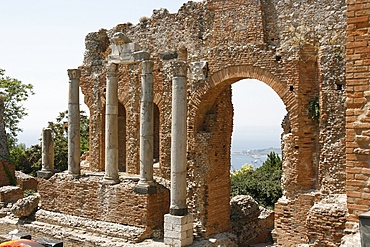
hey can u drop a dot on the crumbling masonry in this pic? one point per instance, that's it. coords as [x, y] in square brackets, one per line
[301, 49]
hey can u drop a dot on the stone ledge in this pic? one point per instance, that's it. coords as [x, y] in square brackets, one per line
[71, 236]
[129, 233]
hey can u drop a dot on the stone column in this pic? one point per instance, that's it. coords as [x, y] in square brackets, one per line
[74, 152]
[111, 126]
[178, 141]
[178, 224]
[146, 183]
[47, 157]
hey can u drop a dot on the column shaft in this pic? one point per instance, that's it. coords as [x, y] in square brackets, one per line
[47, 150]
[111, 126]
[74, 152]
[178, 141]
[146, 124]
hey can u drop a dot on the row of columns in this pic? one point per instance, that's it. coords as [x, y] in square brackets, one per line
[146, 184]
[178, 140]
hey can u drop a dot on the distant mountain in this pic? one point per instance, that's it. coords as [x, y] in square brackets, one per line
[257, 152]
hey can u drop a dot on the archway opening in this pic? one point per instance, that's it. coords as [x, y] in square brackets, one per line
[258, 113]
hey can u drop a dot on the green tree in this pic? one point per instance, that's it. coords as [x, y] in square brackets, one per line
[59, 130]
[29, 159]
[263, 184]
[15, 94]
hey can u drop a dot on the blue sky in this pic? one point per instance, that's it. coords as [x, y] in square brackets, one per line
[41, 39]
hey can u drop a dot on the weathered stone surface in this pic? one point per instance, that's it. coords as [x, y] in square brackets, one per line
[251, 223]
[352, 237]
[110, 203]
[244, 209]
[326, 221]
[25, 181]
[222, 239]
[10, 194]
[74, 151]
[25, 206]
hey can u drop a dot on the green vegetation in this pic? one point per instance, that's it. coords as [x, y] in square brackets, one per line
[12, 179]
[29, 159]
[59, 130]
[314, 109]
[263, 184]
[15, 93]
[29, 193]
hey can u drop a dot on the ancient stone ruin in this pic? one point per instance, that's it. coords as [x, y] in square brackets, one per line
[161, 119]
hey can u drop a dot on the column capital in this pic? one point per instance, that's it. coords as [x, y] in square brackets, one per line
[147, 66]
[111, 69]
[74, 73]
[179, 68]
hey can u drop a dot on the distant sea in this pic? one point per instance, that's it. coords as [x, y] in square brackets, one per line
[238, 160]
[254, 157]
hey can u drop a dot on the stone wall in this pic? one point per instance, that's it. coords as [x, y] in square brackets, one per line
[89, 198]
[295, 47]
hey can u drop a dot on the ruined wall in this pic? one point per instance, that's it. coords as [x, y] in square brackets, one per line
[87, 197]
[295, 47]
[357, 113]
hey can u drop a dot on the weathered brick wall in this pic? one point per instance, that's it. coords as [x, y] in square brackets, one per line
[88, 197]
[290, 219]
[326, 221]
[357, 113]
[295, 47]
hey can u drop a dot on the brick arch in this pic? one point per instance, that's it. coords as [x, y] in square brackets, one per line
[229, 75]
[212, 118]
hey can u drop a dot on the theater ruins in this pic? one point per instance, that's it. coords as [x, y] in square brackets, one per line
[161, 120]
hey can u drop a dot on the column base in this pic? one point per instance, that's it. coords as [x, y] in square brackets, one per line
[74, 175]
[179, 211]
[178, 230]
[46, 174]
[145, 188]
[110, 181]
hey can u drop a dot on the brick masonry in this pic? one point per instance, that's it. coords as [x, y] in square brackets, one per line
[298, 48]
[87, 197]
[357, 112]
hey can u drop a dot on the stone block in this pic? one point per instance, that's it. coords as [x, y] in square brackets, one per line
[45, 174]
[178, 230]
[10, 194]
[25, 181]
[141, 55]
[178, 220]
